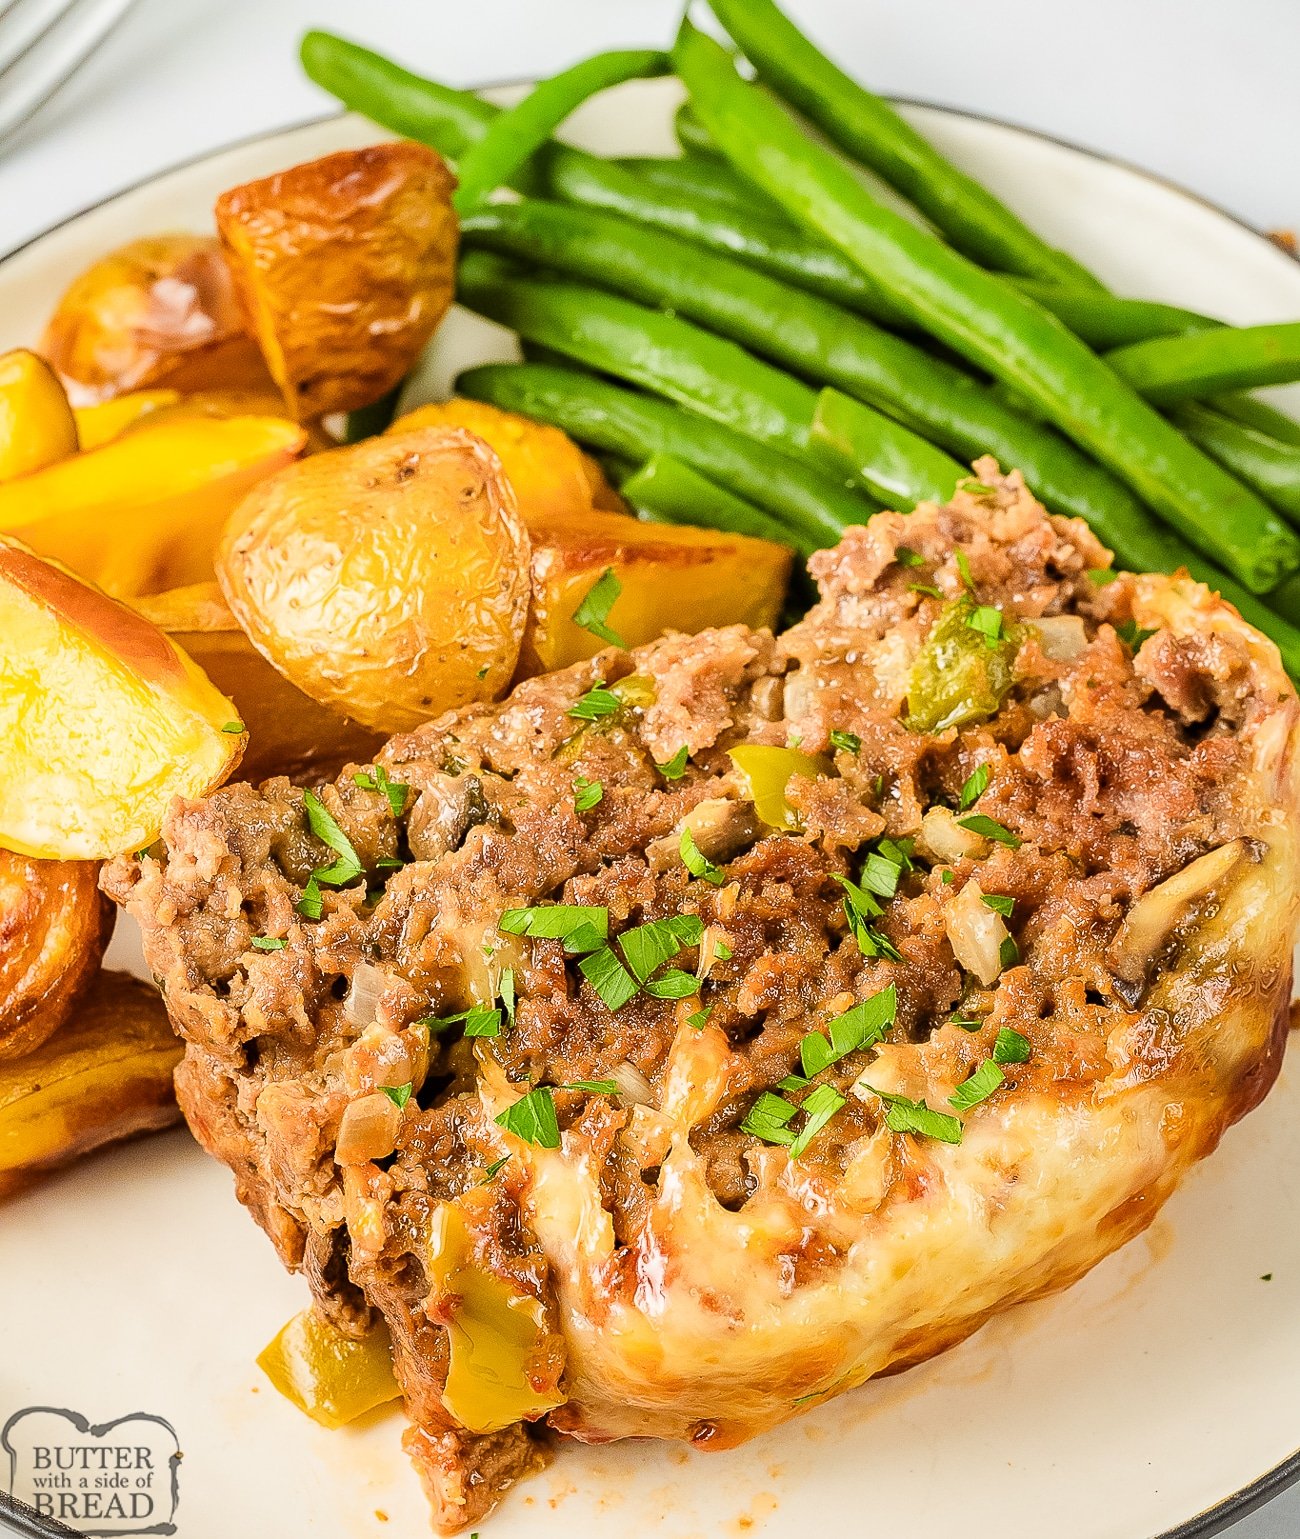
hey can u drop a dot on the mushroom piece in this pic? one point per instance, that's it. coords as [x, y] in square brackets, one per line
[1165, 913]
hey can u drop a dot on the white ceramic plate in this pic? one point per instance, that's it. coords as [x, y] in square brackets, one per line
[1159, 1397]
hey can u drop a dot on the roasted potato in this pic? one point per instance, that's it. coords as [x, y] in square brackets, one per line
[672, 577]
[102, 719]
[143, 512]
[160, 311]
[54, 925]
[36, 423]
[199, 405]
[345, 265]
[388, 580]
[105, 1076]
[288, 732]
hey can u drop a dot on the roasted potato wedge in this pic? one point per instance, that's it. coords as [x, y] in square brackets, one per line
[143, 512]
[106, 1076]
[673, 578]
[345, 265]
[105, 420]
[54, 925]
[36, 423]
[160, 311]
[102, 719]
[388, 580]
[200, 405]
[288, 732]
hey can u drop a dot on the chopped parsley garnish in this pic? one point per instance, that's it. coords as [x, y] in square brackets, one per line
[819, 1108]
[963, 566]
[768, 1119]
[862, 1026]
[947, 878]
[507, 992]
[580, 926]
[722, 951]
[648, 946]
[587, 794]
[999, 903]
[697, 862]
[483, 1021]
[1132, 634]
[482, 672]
[592, 1086]
[322, 823]
[966, 1022]
[928, 588]
[267, 943]
[846, 742]
[494, 1169]
[976, 488]
[610, 979]
[988, 622]
[990, 828]
[1010, 1047]
[377, 780]
[596, 704]
[1102, 576]
[906, 556]
[1008, 952]
[235, 728]
[881, 875]
[676, 766]
[904, 1116]
[860, 908]
[593, 613]
[533, 1119]
[976, 785]
[700, 1018]
[309, 905]
[979, 1087]
[673, 984]
[399, 1095]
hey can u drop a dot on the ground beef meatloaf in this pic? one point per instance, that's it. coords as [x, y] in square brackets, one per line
[773, 1010]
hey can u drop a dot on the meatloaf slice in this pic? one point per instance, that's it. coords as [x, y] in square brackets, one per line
[773, 1010]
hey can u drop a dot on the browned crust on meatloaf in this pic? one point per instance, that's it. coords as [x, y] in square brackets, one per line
[1113, 769]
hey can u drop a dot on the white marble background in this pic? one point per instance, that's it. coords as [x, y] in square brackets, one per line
[1202, 91]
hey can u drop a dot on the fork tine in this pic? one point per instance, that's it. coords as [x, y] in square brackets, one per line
[65, 44]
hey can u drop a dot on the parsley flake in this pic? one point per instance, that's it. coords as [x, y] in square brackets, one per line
[399, 1095]
[976, 785]
[768, 1119]
[610, 979]
[906, 556]
[999, 903]
[979, 1087]
[507, 992]
[860, 1027]
[1011, 1047]
[587, 794]
[647, 947]
[581, 927]
[235, 728]
[1008, 952]
[267, 943]
[846, 742]
[904, 1116]
[1132, 634]
[533, 1119]
[819, 1108]
[928, 588]
[597, 703]
[700, 1019]
[676, 766]
[309, 905]
[377, 780]
[989, 828]
[1102, 576]
[592, 1086]
[967, 1023]
[722, 951]
[323, 824]
[988, 622]
[697, 862]
[976, 488]
[483, 1021]
[963, 566]
[673, 984]
[593, 613]
[494, 1169]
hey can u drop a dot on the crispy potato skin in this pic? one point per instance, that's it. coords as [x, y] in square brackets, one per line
[288, 732]
[54, 925]
[345, 266]
[37, 426]
[388, 580]
[159, 311]
[105, 1076]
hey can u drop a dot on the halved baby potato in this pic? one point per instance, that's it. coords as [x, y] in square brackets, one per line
[37, 426]
[102, 719]
[387, 580]
[159, 311]
[345, 265]
[104, 1076]
[144, 512]
[288, 732]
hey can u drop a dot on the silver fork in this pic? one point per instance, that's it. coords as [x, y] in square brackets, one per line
[43, 43]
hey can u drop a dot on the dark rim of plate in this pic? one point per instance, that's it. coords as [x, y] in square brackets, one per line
[1214, 1520]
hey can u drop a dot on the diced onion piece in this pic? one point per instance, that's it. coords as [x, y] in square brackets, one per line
[367, 1129]
[943, 838]
[1061, 637]
[975, 933]
[362, 1004]
[632, 1084]
[768, 771]
[1153, 919]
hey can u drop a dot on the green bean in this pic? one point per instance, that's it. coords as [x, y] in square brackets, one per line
[1250, 411]
[869, 129]
[1169, 369]
[710, 181]
[848, 437]
[988, 322]
[1105, 321]
[812, 508]
[513, 138]
[692, 134]
[668, 491]
[1272, 468]
[814, 339]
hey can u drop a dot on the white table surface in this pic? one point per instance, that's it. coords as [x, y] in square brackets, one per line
[1202, 91]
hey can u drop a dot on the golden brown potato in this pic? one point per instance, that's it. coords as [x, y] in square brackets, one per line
[288, 732]
[36, 423]
[160, 311]
[388, 580]
[102, 719]
[345, 266]
[106, 1076]
[54, 925]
